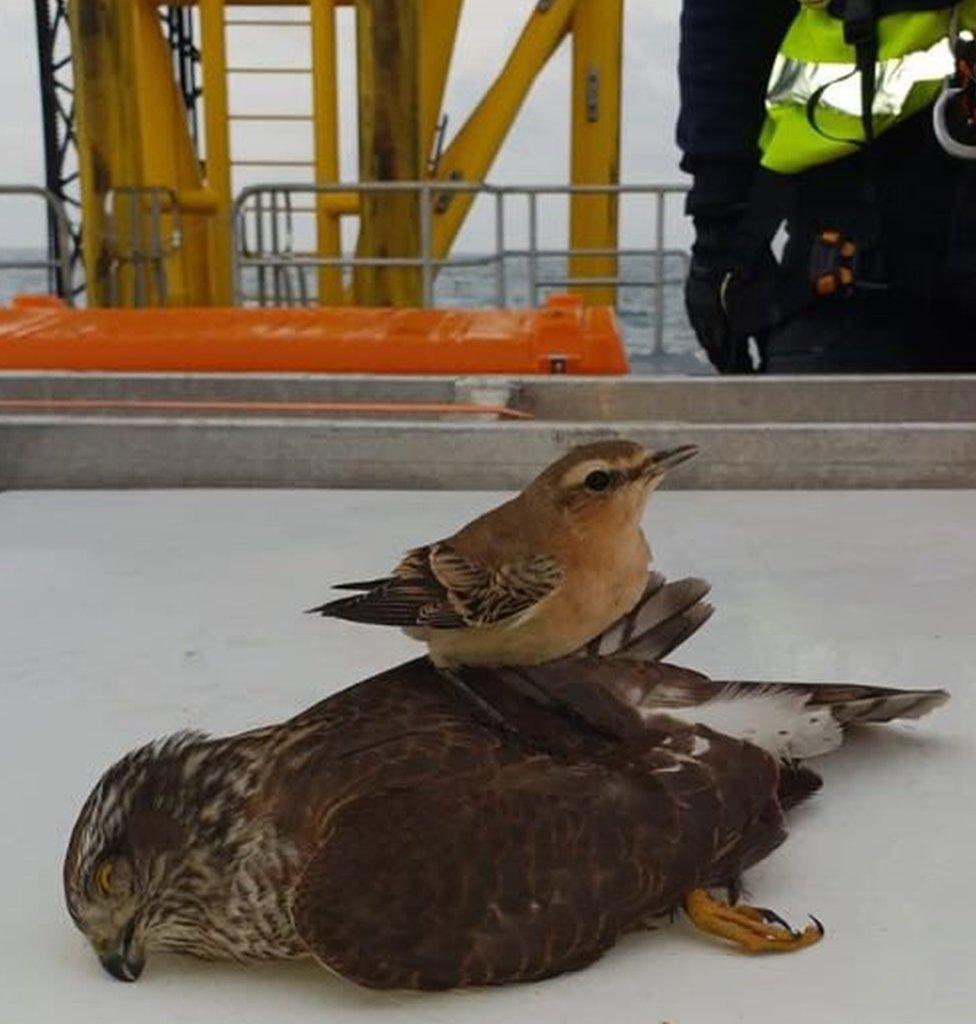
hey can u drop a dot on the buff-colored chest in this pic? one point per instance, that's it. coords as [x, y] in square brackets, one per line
[598, 587]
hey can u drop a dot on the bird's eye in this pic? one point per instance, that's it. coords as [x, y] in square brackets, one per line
[597, 481]
[103, 877]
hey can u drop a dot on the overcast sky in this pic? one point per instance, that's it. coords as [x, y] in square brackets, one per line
[537, 150]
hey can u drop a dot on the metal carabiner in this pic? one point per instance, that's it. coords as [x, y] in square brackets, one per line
[948, 141]
[957, 134]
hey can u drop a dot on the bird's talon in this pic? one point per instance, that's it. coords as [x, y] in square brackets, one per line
[771, 917]
[755, 929]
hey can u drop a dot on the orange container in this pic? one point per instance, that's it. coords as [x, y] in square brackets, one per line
[40, 333]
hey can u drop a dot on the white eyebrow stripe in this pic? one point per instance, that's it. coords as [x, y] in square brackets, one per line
[574, 476]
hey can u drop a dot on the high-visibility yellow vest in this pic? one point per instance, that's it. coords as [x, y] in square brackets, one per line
[813, 100]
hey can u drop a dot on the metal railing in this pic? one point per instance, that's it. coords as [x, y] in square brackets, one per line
[143, 229]
[58, 268]
[263, 220]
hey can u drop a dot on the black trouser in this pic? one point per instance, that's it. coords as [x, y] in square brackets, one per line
[911, 211]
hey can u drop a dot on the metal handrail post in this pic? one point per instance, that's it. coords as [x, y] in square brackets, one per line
[275, 245]
[157, 250]
[286, 275]
[135, 243]
[259, 243]
[426, 229]
[236, 244]
[65, 283]
[658, 346]
[533, 242]
[501, 282]
[299, 269]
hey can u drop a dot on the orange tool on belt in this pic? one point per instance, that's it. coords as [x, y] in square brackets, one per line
[832, 264]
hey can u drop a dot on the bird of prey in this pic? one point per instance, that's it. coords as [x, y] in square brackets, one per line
[535, 578]
[403, 841]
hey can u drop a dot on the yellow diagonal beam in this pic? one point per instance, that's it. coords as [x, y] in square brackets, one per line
[472, 151]
[438, 30]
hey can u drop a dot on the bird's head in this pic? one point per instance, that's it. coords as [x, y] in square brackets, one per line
[138, 867]
[608, 478]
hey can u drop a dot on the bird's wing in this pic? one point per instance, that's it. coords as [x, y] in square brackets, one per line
[665, 616]
[486, 596]
[618, 679]
[619, 696]
[438, 588]
[533, 868]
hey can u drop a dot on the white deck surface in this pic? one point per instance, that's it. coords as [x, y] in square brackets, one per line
[129, 615]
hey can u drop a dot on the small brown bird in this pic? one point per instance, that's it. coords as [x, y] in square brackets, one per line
[535, 578]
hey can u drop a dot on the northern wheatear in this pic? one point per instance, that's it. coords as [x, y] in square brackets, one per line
[535, 578]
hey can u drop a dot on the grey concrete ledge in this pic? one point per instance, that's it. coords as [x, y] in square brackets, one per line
[756, 432]
[98, 451]
[818, 399]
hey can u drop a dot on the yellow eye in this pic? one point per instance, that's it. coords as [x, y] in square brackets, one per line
[103, 877]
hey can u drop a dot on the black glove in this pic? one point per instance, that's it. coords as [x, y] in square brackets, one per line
[731, 291]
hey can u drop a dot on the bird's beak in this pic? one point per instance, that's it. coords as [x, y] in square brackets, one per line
[663, 461]
[122, 959]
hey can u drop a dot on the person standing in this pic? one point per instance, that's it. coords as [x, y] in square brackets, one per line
[820, 115]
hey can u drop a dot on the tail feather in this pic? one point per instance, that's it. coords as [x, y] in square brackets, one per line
[855, 703]
[363, 584]
[796, 783]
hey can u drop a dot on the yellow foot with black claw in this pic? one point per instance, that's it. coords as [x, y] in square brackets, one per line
[754, 929]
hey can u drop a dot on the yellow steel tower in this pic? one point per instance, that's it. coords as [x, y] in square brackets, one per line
[148, 199]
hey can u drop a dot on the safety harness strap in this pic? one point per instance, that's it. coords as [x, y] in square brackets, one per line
[861, 32]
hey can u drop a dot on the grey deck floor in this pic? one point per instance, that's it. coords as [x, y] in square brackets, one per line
[129, 615]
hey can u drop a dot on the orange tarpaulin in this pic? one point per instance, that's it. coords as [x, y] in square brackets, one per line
[38, 333]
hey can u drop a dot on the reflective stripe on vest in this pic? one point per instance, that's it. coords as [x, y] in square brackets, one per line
[914, 58]
[795, 81]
